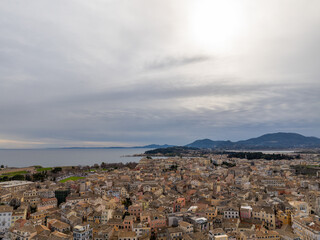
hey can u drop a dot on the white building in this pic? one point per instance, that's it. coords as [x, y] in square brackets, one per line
[5, 218]
[82, 232]
[231, 213]
[14, 186]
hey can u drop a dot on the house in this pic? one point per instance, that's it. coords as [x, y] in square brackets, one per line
[82, 232]
[245, 212]
[266, 215]
[125, 235]
[47, 203]
[217, 234]
[5, 217]
[231, 213]
[174, 233]
[186, 227]
[56, 225]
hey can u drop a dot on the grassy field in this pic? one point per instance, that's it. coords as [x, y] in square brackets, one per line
[71, 179]
[11, 174]
[99, 169]
[44, 169]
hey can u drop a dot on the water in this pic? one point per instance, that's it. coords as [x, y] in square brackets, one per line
[66, 157]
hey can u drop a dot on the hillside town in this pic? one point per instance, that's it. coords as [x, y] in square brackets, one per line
[212, 197]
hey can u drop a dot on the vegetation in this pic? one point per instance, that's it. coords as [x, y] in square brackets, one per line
[71, 179]
[174, 167]
[44, 169]
[23, 175]
[41, 176]
[127, 202]
[11, 174]
[260, 155]
[227, 164]
[56, 170]
[171, 151]
[109, 166]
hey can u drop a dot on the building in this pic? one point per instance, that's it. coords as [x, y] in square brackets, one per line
[264, 234]
[5, 218]
[14, 186]
[217, 234]
[306, 228]
[82, 232]
[56, 225]
[231, 213]
[24, 232]
[174, 233]
[47, 203]
[245, 212]
[266, 215]
[135, 210]
[20, 213]
[186, 227]
[124, 235]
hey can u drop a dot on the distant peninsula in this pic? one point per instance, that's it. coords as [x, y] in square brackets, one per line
[272, 141]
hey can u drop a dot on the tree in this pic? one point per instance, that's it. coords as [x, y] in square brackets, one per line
[39, 177]
[96, 166]
[33, 209]
[127, 202]
[15, 203]
[18, 177]
[56, 170]
[174, 167]
[28, 177]
[103, 165]
[125, 214]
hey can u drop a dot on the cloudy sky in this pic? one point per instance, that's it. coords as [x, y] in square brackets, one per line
[134, 72]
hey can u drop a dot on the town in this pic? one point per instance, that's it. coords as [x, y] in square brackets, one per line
[215, 197]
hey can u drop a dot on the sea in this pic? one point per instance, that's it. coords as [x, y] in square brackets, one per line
[67, 157]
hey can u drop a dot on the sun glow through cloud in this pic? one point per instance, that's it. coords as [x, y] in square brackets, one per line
[216, 25]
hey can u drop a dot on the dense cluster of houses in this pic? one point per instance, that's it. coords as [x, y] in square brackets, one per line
[169, 198]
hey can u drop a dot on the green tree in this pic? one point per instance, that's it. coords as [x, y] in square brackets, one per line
[18, 177]
[127, 202]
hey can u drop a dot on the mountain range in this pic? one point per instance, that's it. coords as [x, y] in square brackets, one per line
[278, 140]
[272, 141]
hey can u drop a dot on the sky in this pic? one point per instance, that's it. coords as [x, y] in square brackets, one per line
[136, 72]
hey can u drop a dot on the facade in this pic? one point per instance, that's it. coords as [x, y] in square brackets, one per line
[82, 232]
[245, 212]
[47, 203]
[266, 215]
[231, 213]
[306, 228]
[14, 186]
[186, 227]
[23, 233]
[125, 235]
[135, 210]
[5, 217]
[20, 213]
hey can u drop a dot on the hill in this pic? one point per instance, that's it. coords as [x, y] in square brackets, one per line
[279, 140]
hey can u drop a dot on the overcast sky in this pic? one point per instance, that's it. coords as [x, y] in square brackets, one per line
[134, 72]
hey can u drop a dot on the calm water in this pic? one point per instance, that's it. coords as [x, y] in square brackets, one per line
[66, 157]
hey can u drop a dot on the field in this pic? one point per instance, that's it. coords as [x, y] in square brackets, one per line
[71, 179]
[44, 169]
[11, 174]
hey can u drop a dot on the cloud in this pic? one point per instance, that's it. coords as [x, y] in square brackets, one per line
[170, 62]
[110, 72]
